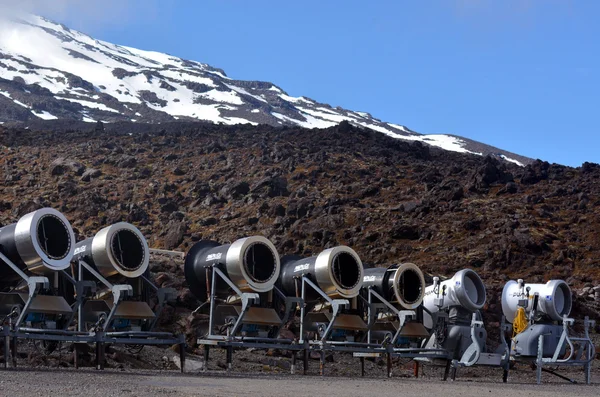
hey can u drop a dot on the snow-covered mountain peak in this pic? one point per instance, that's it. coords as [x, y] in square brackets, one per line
[48, 71]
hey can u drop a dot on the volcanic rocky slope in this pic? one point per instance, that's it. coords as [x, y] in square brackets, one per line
[306, 190]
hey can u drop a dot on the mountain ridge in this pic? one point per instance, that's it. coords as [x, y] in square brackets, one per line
[48, 72]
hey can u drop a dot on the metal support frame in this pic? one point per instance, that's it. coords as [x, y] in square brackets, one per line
[320, 346]
[475, 355]
[231, 340]
[403, 315]
[83, 289]
[14, 331]
[119, 291]
[163, 295]
[247, 299]
[34, 285]
[582, 356]
[336, 305]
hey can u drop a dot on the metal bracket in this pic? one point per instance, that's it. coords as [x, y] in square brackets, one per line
[290, 302]
[575, 357]
[336, 304]
[247, 300]
[119, 292]
[34, 285]
[403, 315]
[164, 295]
[83, 289]
[473, 352]
[84, 265]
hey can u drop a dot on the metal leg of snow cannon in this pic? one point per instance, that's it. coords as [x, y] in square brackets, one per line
[305, 357]
[119, 292]
[34, 285]
[182, 354]
[290, 303]
[474, 354]
[229, 359]
[590, 350]
[246, 298]
[206, 356]
[575, 356]
[454, 369]
[403, 315]
[6, 347]
[446, 369]
[99, 356]
[336, 305]
[83, 290]
[539, 361]
[163, 295]
[14, 352]
[504, 349]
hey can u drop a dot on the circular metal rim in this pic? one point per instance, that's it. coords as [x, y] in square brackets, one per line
[237, 271]
[324, 272]
[506, 308]
[401, 269]
[102, 252]
[28, 245]
[555, 285]
[462, 295]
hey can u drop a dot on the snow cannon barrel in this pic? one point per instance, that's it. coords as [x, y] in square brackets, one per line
[119, 249]
[40, 242]
[465, 289]
[337, 271]
[403, 284]
[554, 298]
[251, 263]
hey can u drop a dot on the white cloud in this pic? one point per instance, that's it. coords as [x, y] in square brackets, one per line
[80, 13]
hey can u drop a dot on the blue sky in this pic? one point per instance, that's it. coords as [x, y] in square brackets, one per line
[522, 75]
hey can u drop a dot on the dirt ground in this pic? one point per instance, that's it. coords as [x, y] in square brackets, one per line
[91, 383]
[267, 373]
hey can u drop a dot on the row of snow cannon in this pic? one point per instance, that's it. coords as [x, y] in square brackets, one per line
[97, 290]
[253, 292]
[254, 265]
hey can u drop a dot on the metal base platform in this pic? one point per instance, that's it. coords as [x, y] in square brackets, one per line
[98, 339]
[358, 350]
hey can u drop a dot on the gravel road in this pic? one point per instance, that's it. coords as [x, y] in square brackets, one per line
[90, 383]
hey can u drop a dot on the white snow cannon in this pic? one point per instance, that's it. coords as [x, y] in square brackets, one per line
[538, 313]
[464, 290]
[554, 299]
[451, 311]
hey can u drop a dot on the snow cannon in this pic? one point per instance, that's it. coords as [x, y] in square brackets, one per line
[41, 242]
[337, 271]
[451, 313]
[403, 284]
[542, 329]
[119, 249]
[251, 263]
[554, 299]
[464, 291]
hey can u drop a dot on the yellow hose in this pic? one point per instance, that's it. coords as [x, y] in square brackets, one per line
[520, 322]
